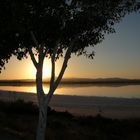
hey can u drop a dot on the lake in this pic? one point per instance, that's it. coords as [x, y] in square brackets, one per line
[101, 90]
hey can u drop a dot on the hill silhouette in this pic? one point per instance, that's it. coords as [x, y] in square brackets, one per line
[76, 81]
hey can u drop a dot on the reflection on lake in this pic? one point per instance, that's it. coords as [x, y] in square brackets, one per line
[125, 91]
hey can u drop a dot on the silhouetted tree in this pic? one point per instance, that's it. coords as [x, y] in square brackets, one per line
[54, 29]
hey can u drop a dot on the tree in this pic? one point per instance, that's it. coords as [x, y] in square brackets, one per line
[54, 29]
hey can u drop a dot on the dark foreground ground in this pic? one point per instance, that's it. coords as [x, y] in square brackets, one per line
[18, 121]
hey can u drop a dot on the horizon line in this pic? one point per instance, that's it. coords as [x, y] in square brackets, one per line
[75, 78]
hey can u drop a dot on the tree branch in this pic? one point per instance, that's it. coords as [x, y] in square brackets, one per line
[53, 68]
[65, 62]
[33, 57]
[41, 55]
[34, 39]
[39, 47]
[44, 53]
[64, 66]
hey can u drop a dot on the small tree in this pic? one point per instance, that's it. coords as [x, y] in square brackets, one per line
[54, 29]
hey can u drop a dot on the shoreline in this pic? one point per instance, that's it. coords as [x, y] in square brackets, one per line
[111, 107]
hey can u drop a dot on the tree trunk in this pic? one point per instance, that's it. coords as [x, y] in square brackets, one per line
[42, 107]
[42, 100]
[41, 130]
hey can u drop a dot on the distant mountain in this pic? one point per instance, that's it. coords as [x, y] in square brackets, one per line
[100, 80]
[76, 81]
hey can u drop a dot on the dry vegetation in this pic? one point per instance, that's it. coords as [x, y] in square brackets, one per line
[18, 121]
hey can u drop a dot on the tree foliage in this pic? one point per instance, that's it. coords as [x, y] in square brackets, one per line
[57, 23]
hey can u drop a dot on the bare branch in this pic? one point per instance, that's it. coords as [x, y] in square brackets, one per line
[65, 62]
[34, 38]
[53, 65]
[33, 57]
[53, 68]
[41, 55]
[40, 48]
[44, 53]
[64, 66]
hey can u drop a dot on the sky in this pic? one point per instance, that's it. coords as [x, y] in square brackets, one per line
[117, 56]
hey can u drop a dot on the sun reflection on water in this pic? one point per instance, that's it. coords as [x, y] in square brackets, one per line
[130, 91]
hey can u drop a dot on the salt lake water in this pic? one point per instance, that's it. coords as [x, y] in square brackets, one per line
[111, 90]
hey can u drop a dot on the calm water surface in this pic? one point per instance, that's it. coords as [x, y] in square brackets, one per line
[123, 91]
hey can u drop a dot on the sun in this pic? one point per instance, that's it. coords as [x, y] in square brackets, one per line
[46, 70]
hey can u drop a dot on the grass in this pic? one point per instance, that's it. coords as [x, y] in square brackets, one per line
[18, 121]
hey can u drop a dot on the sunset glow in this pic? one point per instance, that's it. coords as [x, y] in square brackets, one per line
[117, 56]
[46, 70]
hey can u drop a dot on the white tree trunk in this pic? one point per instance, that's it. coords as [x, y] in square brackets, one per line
[43, 100]
[41, 130]
[42, 106]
